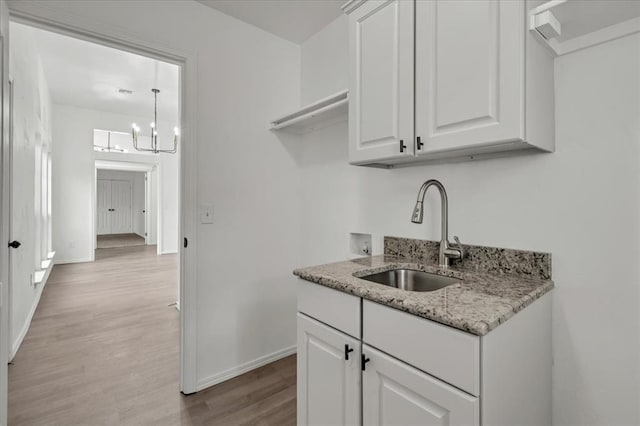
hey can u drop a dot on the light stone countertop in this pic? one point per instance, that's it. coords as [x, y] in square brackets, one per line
[478, 304]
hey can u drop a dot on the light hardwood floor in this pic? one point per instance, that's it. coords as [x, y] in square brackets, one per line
[119, 240]
[103, 350]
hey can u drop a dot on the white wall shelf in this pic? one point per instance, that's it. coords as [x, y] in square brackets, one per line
[325, 112]
[570, 25]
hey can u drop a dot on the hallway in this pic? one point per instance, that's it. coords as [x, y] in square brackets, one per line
[103, 349]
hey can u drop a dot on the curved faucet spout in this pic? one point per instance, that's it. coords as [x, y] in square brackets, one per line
[447, 250]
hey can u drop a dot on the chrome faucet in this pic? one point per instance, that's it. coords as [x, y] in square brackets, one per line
[447, 250]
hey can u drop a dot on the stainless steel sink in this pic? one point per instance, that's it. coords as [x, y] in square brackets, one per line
[411, 280]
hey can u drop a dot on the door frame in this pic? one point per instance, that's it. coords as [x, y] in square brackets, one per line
[125, 166]
[10, 218]
[4, 208]
[49, 18]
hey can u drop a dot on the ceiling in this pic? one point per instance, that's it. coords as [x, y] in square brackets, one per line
[293, 20]
[88, 75]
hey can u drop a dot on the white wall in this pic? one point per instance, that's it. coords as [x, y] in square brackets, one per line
[74, 175]
[136, 180]
[325, 62]
[31, 143]
[580, 203]
[139, 204]
[245, 77]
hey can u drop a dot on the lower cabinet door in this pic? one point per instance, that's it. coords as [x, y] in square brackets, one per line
[328, 375]
[396, 394]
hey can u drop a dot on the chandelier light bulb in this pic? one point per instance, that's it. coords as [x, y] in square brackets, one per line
[153, 125]
[134, 126]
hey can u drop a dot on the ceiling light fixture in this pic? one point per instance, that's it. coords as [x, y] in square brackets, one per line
[154, 132]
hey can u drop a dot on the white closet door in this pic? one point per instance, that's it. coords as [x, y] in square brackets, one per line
[121, 222]
[103, 196]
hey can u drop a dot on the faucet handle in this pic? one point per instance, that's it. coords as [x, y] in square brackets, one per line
[458, 246]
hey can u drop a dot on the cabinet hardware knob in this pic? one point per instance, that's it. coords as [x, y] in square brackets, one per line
[365, 360]
[402, 146]
[419, 143]
[347, 350]
[16, 244]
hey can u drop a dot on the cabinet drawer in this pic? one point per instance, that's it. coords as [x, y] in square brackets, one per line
[332, 307]
[444, 352]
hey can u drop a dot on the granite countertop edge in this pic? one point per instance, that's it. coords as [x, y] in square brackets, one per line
[479, 304]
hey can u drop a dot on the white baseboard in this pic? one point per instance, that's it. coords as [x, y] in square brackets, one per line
[25, 328]
[243, 368]
[80, 260]
[167, 252]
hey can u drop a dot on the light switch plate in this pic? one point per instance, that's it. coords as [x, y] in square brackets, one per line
[206, 213]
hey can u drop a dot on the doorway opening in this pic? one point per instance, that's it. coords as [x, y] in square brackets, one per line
[125, 203]
[121, 209]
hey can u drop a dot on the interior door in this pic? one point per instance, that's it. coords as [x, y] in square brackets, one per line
[4, 208]
[328, 375]
[103, 201]
[394, 393]
[121, 209]
[469, 73]
[381, 81]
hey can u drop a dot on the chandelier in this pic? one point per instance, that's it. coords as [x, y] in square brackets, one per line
[154, 132]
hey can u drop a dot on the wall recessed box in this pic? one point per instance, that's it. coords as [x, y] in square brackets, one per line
[325, 112]
[360, 244]
[432, 80]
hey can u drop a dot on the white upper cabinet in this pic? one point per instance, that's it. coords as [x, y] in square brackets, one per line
[381, 37]
[468, 72]
[483, 83]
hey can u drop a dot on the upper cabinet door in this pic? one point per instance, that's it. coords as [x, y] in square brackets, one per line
[396, 394]
[469, 73]
[328, 375]
[381, 39]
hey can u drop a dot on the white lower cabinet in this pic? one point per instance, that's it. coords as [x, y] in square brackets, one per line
[362, 363]
[395, 393]
[328, 375]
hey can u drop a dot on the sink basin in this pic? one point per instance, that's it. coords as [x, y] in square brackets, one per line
[411, 280]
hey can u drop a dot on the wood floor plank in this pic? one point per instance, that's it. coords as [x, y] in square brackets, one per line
[119, 240]
[103, 349]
